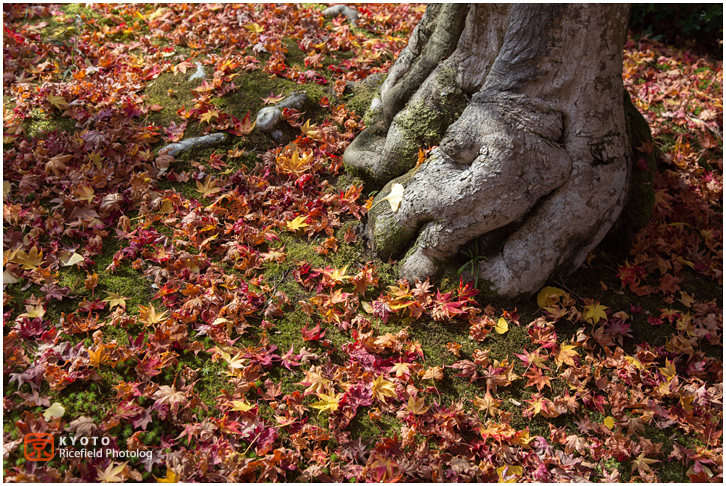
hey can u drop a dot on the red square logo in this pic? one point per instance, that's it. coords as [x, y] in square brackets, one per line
[39, 447]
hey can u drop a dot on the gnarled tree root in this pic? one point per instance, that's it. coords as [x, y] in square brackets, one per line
[204, 141]
[526, 105]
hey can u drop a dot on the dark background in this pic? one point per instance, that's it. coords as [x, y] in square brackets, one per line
[694, 26]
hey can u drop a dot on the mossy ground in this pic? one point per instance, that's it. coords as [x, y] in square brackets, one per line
[597, 278]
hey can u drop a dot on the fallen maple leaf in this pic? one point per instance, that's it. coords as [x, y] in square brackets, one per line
[84, 193]
[309, 130]
[241, 406]
[395, 197]
[434, 373]
[382, 389]
[609, 422]
[401, 369]
[295, 165]
[95, 357]
[642, 464]
[273, 98]
[208, 115]
[255, 28]
[297, 224]
[112, 474]
[54, 411]
[488, 404]
[327, 402]
[454, 348]
[73, 259]
[502, 326]
[169, 478]
[115, 299]
[509, 474]
[33, 311]
[57, 101]
[536, 359]
[148, 315]
[416, 406]
[57, 164]
[537, 378]
[170, 395]
[30, 260]
[209, 186]
[593, 313]
[549, 296]
[565, 354]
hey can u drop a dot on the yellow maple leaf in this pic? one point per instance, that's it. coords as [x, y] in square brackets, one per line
[309, 130]
[234, 363]
[115, 299]
[327, 402]
[566, 355]
[488, 404]
[96, 357]
[634, 361]
[401, 369]
[382, 388]
[549, 296]
[169, 478]
[255, 27]
[395, 197]
[509, 474]
[96, 158]
[237, 152]
[208, 115]
[208, 187]
[241, 406]
[148, 315]
[502, 326]
[669, 371]
[112, 474]
[30, 260]
[72, 259]
[609, 422]
[297, 224]
[54, 411]
[434, 373]
[167, 207]
[84, 193]
[295, 164]
[314, 381]
[593, 313]
[33, 311]
[338, 275]
[57, 101]
[416, 406]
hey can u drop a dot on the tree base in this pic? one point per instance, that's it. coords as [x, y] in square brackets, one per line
[533, 156]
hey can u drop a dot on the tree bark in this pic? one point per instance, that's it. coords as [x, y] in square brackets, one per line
[525, 103]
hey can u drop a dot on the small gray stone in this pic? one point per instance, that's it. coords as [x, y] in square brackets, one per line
[349, 13]
[268, 117]
[277, 135]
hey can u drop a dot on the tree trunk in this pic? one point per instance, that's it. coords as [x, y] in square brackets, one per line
[526, 104]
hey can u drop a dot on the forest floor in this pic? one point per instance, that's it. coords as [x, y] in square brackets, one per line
[216, 316]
